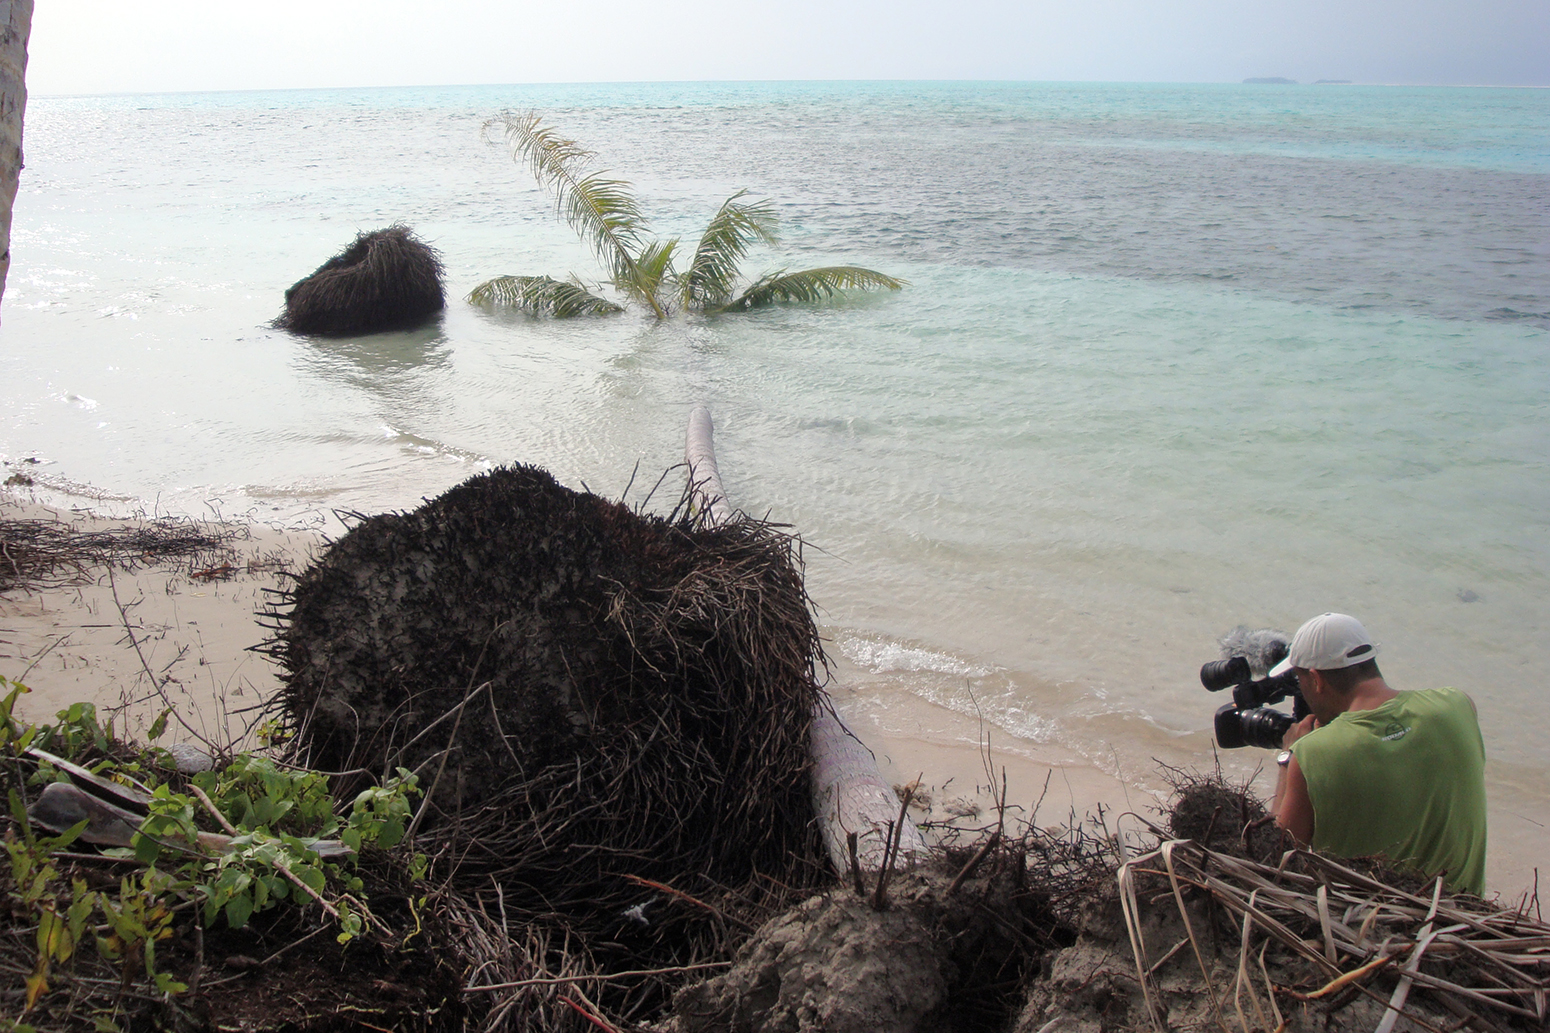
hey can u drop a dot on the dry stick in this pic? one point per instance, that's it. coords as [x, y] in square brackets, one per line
[1241, 978]
[1160, 962]
[1468, 1017]
[663, 887]
[1131, 908]
[596, 1020]
[882, 876]
[1167, 855]
[1350, 977]
[974, 862]
[855, 864]
[891, 848]
[1270, 989]
[425, 805]
[597, 977]
[1402, 990]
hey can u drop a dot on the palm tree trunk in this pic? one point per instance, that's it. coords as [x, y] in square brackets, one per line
[15, 27]
[849, 794]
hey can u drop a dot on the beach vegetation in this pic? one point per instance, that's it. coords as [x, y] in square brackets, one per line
[606, 215]
[273, 849]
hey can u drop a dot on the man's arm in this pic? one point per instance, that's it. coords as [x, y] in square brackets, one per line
[1293, 809]
[1292, 806]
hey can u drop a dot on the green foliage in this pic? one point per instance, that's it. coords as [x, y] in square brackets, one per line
[713, 274]
[809, 285]
[278, 814]
[75, 730]
[380, 814]
[541, 295]
[601, 210]
[607, 217]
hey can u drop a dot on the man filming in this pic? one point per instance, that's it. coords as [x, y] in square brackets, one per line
[1373, 771]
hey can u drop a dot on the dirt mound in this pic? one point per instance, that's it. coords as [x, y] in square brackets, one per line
[1207, 808]
[386, 279]
[936, 958]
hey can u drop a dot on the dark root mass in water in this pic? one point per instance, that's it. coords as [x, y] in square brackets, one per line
[386, 279]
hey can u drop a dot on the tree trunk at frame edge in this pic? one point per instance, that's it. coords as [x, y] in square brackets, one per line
[849, 794]
[15, 28]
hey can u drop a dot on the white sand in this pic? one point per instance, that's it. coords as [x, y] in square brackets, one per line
[195, 635]
[78, 642]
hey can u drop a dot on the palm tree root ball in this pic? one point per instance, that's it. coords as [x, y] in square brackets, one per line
[386, 280]
[597, 701]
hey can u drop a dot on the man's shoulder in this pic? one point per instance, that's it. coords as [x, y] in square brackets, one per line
[1441, 699]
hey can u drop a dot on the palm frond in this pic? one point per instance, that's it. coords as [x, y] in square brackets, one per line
[654, 271]
[541, 296]
[602, 210]
[811, 285]
[731, 232]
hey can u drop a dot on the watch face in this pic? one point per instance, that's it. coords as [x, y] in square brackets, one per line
[1284, 758]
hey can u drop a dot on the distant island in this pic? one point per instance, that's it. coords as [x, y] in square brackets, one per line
[1333, 82]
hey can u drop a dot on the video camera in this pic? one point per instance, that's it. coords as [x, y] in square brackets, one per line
[1250, 720]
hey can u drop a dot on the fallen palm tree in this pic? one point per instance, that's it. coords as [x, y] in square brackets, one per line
[855, 808]
[386, 279]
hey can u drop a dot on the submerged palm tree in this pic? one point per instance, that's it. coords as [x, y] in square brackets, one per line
[604, 212]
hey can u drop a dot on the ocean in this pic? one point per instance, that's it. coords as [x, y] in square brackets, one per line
[1171, 359]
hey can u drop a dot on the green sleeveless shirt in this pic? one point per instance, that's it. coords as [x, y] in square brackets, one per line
[1405, 780]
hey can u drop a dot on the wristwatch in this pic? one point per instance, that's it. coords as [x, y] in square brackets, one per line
[1284, 758]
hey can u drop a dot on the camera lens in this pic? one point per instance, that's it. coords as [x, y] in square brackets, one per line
[1265, 727]
[1229, 728]
[1262, 727]
[1219, 674]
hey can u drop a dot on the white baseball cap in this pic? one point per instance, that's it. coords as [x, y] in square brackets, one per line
[1328, 642]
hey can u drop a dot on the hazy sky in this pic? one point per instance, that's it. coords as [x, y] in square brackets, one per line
[103, 46]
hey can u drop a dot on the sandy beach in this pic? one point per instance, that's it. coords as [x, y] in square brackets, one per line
[171, 633]
[105, 634]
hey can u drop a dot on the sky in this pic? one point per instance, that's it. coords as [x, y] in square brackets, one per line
[110, 46]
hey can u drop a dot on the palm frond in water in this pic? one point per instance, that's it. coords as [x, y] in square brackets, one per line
[811, 285]
[653, 271]
[542, 296]
[602, 210]
[735, 228]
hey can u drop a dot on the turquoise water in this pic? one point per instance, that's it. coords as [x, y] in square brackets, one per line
[1173, 358]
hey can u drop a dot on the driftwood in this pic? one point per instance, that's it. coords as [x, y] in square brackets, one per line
[1477, 958]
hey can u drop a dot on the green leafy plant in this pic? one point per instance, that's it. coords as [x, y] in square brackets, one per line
[272, 818]
[605, 214]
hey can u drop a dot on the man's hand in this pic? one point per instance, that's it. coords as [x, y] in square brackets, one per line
[1298, 730]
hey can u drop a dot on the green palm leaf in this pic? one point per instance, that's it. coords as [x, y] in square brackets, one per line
[811, 285]
[654, 269]
[540, 296]
[734, 229]
[601, 210]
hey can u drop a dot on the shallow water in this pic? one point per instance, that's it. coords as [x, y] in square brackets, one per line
[1172, 359]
